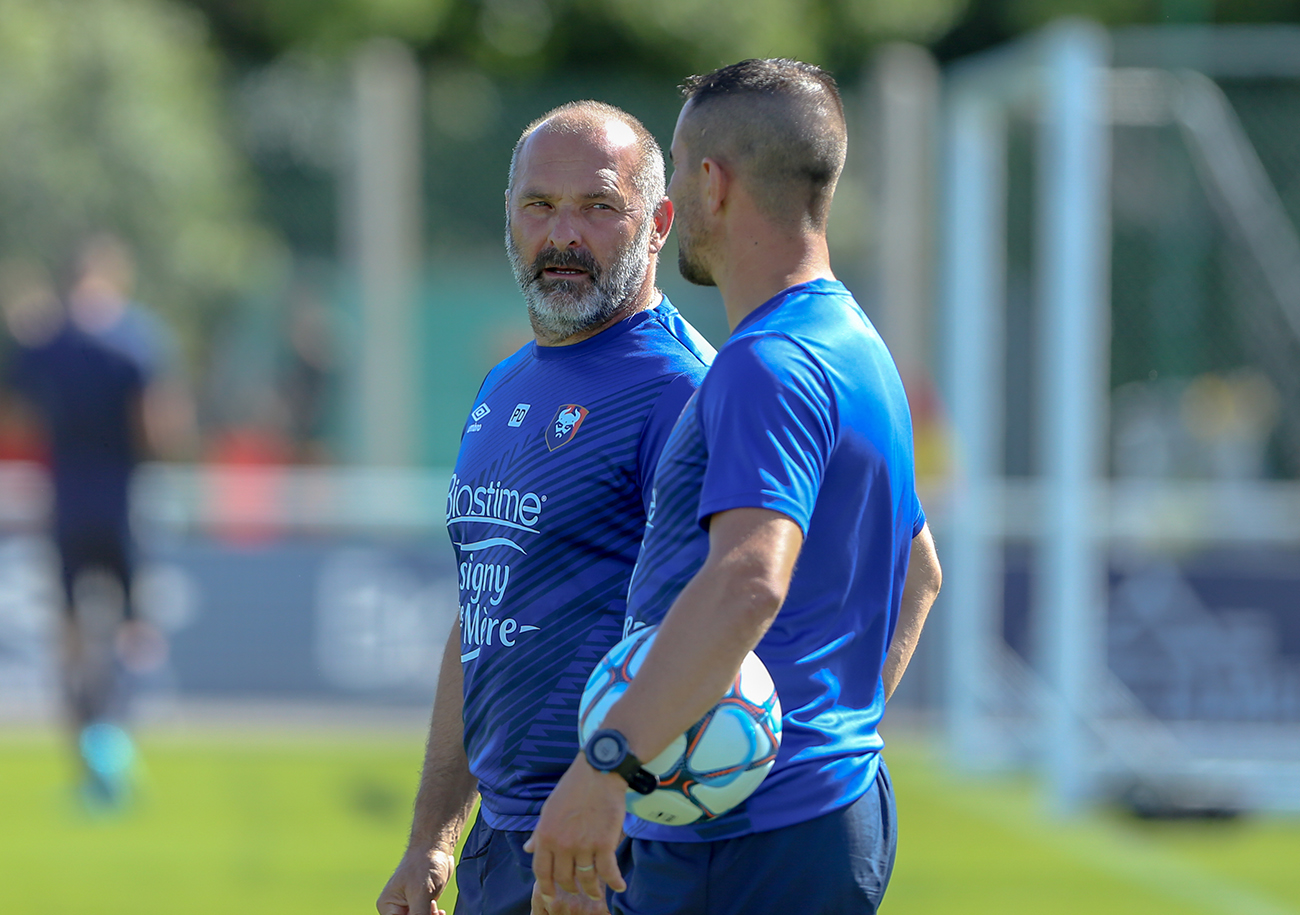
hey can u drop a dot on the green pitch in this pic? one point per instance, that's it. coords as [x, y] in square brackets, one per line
[314, 824]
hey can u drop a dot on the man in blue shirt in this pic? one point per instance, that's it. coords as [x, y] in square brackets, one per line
[548, 500]
[786, 521]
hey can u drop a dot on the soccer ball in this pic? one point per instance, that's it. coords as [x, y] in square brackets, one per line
[720, 759]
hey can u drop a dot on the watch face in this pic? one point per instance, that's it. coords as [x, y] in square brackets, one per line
[606, 751]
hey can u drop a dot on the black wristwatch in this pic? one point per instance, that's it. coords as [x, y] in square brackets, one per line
[607, 751]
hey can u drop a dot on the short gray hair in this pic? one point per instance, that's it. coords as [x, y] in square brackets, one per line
[581, 117]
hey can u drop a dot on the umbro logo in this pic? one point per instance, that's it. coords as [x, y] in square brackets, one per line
[480, 411]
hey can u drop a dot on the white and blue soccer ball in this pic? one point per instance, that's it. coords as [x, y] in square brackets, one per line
[718, 762]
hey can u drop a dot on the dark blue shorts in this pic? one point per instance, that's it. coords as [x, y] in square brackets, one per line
[495, 874]
[836, 864]
[107, 548]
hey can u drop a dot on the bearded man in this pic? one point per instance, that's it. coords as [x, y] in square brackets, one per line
[549, 498]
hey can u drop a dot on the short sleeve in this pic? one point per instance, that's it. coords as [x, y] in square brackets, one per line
[767, 416]
[659, 424]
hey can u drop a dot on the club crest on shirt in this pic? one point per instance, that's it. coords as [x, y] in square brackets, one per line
[565, 425]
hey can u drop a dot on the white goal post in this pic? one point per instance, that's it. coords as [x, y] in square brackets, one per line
[1068, 712]
[1061, 75]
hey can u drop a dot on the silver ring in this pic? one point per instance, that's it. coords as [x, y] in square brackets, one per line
[584, 867]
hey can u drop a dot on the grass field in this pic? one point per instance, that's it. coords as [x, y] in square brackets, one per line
[235, 823]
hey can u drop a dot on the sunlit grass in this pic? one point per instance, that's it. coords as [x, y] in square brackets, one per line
[989, 846]
[286, 823]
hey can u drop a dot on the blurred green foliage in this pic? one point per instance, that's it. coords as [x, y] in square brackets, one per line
[111, 118]
[671, 37]
[531, 36]
[328, 25]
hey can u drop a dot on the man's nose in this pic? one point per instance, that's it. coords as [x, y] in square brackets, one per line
[564, 232]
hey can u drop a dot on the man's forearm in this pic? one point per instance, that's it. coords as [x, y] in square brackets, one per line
[715, 621]
[447, 789]
[919, 591]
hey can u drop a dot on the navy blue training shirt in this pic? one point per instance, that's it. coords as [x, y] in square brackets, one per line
[87, 395]
[546, 510]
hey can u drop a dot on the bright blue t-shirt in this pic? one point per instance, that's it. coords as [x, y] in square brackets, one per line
[546, 510]
[803, 413]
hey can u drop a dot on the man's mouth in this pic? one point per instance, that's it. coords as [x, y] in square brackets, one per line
[563, 273]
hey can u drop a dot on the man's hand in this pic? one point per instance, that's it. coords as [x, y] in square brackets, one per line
[567, 903]
[418, 881]
[578, 832]
[442, 805]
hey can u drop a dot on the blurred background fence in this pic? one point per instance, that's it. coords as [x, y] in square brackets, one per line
[306, 584]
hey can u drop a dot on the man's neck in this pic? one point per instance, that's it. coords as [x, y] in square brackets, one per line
[765, 263]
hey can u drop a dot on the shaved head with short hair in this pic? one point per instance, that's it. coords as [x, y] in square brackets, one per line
[779, 125]
[588, 116]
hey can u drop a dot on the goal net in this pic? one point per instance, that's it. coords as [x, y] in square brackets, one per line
[1120, 340]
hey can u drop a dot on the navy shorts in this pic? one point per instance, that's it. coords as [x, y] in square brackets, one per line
[495, 874]
[835, 864]
[105, 548]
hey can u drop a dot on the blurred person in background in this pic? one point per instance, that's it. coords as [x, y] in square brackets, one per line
[100, 304]
[548, 500]
[89, 376]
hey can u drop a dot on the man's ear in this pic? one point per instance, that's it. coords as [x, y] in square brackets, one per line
[716, 184]
[663, 224]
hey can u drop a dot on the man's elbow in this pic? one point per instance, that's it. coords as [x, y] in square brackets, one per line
[924, 568]
[935, 580]
[756, 599]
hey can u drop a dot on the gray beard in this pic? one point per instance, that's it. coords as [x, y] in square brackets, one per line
[560, 309]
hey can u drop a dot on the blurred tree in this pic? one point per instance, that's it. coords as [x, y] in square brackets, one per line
[263, 28]
[512, 35]
[110, 119]
[675, 36]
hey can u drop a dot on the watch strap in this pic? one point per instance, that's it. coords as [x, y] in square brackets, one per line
[625, 764]
[638, 778]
